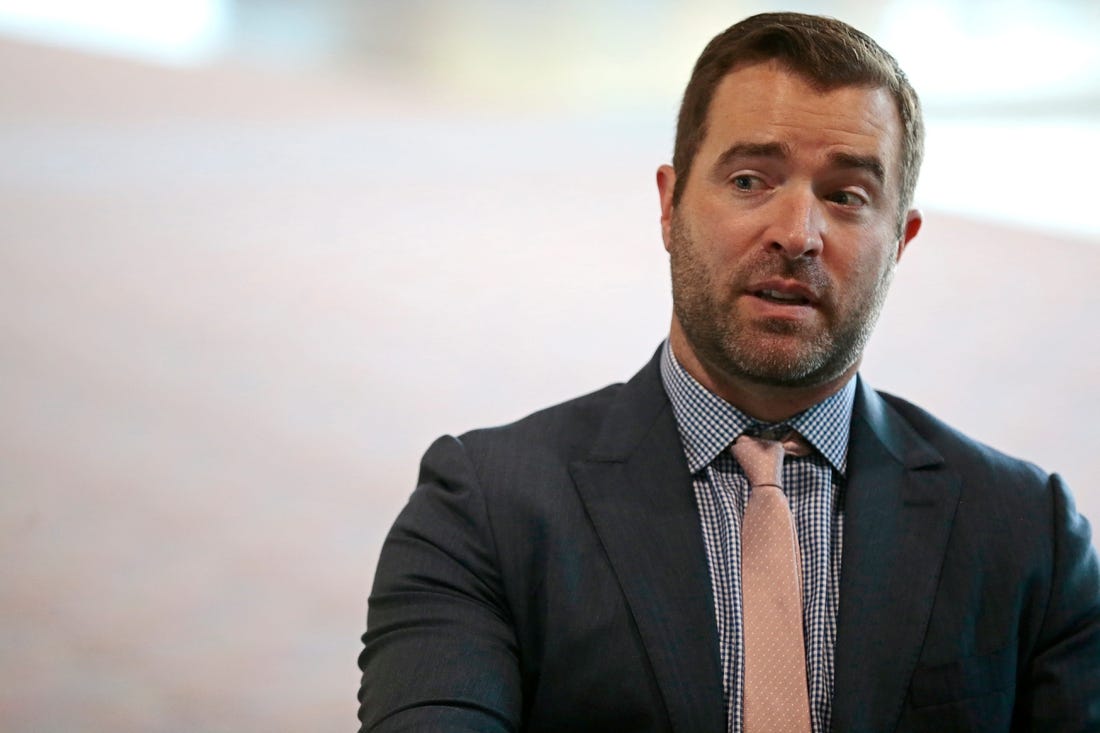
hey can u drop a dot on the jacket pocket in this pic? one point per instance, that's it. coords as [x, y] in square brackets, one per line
[963, 678]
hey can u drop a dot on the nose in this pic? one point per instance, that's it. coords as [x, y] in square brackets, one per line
[798, 227]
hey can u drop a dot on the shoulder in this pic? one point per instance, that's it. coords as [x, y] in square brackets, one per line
[510, 470]
[1008, 512]
[978, 462]
[534, 450]
[612, 420]
[557, 434]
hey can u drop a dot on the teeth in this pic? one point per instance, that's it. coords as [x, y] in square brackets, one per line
[776, 295]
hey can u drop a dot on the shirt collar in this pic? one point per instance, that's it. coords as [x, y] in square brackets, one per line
[708, 424]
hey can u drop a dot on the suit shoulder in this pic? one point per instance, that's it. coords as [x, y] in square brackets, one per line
[959, 449]
[562, 429]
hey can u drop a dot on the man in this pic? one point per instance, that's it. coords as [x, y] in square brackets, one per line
[601, 565]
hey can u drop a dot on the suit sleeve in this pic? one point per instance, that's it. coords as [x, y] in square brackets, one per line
[1061, 686]
[440, 651]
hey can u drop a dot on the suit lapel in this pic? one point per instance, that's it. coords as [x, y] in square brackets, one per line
[638, 494]
[899, 505]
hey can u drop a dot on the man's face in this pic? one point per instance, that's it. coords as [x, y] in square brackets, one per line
[783, 244]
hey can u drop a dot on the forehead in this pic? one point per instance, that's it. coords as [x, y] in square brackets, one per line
[764, 102]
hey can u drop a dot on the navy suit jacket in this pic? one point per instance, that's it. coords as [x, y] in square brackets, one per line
[550, 575]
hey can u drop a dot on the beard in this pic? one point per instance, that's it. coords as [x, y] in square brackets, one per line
[773, 352]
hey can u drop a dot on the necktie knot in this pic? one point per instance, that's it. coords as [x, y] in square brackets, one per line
[761, 456]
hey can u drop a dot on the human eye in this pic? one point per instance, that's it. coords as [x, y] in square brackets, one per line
[848, 199]
[746, 182]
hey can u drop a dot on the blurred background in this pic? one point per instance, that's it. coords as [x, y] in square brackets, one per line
[256, 254]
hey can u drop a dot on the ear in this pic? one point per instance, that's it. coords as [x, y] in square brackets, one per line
[913, 221]
[666, 183]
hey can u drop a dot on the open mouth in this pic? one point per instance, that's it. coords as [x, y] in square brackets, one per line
[775, 296]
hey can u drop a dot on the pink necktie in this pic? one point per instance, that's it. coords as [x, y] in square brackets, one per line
[775, 694]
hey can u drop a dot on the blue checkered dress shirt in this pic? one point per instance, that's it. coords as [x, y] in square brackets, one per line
[708, 425]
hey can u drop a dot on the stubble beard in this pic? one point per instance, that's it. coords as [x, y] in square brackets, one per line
[774, 353]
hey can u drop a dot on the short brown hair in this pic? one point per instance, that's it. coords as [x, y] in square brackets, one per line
[826, 52]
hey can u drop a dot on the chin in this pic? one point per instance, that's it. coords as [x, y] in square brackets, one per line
[794, 366]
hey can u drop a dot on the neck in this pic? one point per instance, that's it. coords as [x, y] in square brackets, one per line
[764, 402]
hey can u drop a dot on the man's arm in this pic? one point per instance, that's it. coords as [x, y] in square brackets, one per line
[1060, 688]
[440, 650]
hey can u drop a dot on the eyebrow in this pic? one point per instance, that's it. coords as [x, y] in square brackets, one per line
[868, 163]
[781, 151]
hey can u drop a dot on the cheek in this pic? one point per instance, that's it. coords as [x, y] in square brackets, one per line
[723, 241]
[868, 253]
[710, 243]
[715, 211]
[863, 274]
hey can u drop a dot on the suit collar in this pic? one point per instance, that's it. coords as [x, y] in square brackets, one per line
[894, 434]
[642, 401]
[637, 490]
[900, 500]
[640, 404]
